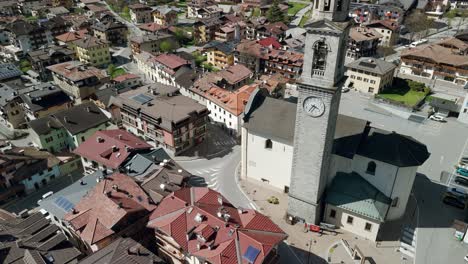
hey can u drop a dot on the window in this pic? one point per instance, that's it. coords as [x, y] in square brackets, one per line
[371, 89]
[353, 77]
[395, 202]
[268, 144]
[332, 213]
[371, 166]
[350, 220]
[366, 80]
[320, 55]
[82, 139]
[339, 5]
[368, 227]
[359, 78]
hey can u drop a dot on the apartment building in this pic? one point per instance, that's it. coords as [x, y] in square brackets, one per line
[77, 79]
[444, 60]
[158, 113]
[168, 69]
[41, 58]
[203, 9]
[140, 13]
[93, 51]
[370, 75]
[26, 36]
[362, 42]
[165, 16]
[11, 112]
[204, 30]
[390, 31]
[110, 30]
[151, 42]
[220, 54]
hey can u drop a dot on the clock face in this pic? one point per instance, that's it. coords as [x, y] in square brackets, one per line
[314, 106]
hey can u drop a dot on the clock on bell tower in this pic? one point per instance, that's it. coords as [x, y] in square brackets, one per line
[319, 91]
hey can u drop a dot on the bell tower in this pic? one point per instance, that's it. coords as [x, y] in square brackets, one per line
[319, 91]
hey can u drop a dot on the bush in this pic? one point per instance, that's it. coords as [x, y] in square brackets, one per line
[416, 86]
[273, 200]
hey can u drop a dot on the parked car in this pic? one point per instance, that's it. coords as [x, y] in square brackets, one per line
[345, 89]
[462, 171]
[437, 118]
[461, 181]
[466, 258]
[453, 202]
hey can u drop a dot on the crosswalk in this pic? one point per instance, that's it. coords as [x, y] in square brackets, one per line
[225, 142]
[210, 176]
[408, 242]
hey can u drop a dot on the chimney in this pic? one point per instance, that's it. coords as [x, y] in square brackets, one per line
[192, 196]
[120, 204]
[220, 199]
[115, 187]
[19, 243]
[119, 136]
[74, 211]
[109, 194]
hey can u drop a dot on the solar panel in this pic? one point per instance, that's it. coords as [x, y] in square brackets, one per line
[64, 203]
[251, 254]
[141, 98]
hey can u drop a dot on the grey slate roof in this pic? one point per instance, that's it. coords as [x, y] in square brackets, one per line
[45, 125]
[81, 117]
[272, 117]
[7, 94]
[373, 65]
[44, 96]
[351, 192]
[8, 71]
[72, 193]
[123, 251]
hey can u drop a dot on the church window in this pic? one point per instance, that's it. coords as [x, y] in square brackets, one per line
[371, 166]
[320, 55]
[268, 144]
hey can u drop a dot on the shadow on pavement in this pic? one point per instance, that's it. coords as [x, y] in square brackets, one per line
[425, 209]
[218, 143]
[293, 255]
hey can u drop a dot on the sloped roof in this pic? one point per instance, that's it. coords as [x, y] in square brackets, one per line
[439, 52]
[351, 192]
[111, 147]
[72, 35]
[364, 33]
[373, 65]
[81, 117]
[177, 216]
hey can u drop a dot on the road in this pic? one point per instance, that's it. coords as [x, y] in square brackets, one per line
[134, 30]
[445, 142]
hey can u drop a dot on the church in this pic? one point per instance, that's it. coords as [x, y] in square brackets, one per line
[336, 169]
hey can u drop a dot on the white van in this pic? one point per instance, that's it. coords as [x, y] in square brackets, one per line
[419, 42]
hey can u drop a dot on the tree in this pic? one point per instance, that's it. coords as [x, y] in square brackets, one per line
[274, 14]
[166, 46]
[418, 22]
[111, 69]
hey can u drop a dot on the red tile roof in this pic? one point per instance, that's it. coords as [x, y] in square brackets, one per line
[206, 228]
[232, 101]
[171, 61]
[152, 27]
[111, 147]
[270, 42]
[124, 77]
[104, 208]
[72, 36]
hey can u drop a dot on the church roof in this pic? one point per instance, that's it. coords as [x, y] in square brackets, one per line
[351, 192]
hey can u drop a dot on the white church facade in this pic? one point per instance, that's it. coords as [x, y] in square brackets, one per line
[371, 171]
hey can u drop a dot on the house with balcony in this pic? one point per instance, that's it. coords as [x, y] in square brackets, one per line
[151, 42]
[126, 81]
[43, 99]
[165, 16]
[169, 69]
[442, 60]
[204, 30]
[159, 114]
[390, 31]
[110, 30]
[369, 75]
[220, 54]
[362, 42]
[11, 112]
[140, 13]
[217, 230]
[203, 9]
[93, 51]
[25, 35]
[77, 80]
[41, 58]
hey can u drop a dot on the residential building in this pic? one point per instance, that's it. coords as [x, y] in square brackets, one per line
[203, 9]
[41, 58]
[26, 36]
[358, 165]
[225, 33]
[390, 31]
[49, 134]
[443, 60]
[445, 104]
[109, 149]
[363, 12]
[216, 230]
[81, 121]
[27, 169]
[204, 30]
[11, 112]
[168, 69]
[95, 10]
[93, 51]
[9, 72]
[43, 99]
[153, 28]
[369, 75]
[126, 81]
[77, 79]
[110, 30]
[123, 250]
[151, 42]
[362, 42]
[9, 8]
[261, 59]
[276, 29]
[140, 13]
[69, 38]
[220, 54]
[63, 3]
[165, 16]
[33, 239]
[115, 207]
[158, 113]
[463, 115]
[54, 27]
